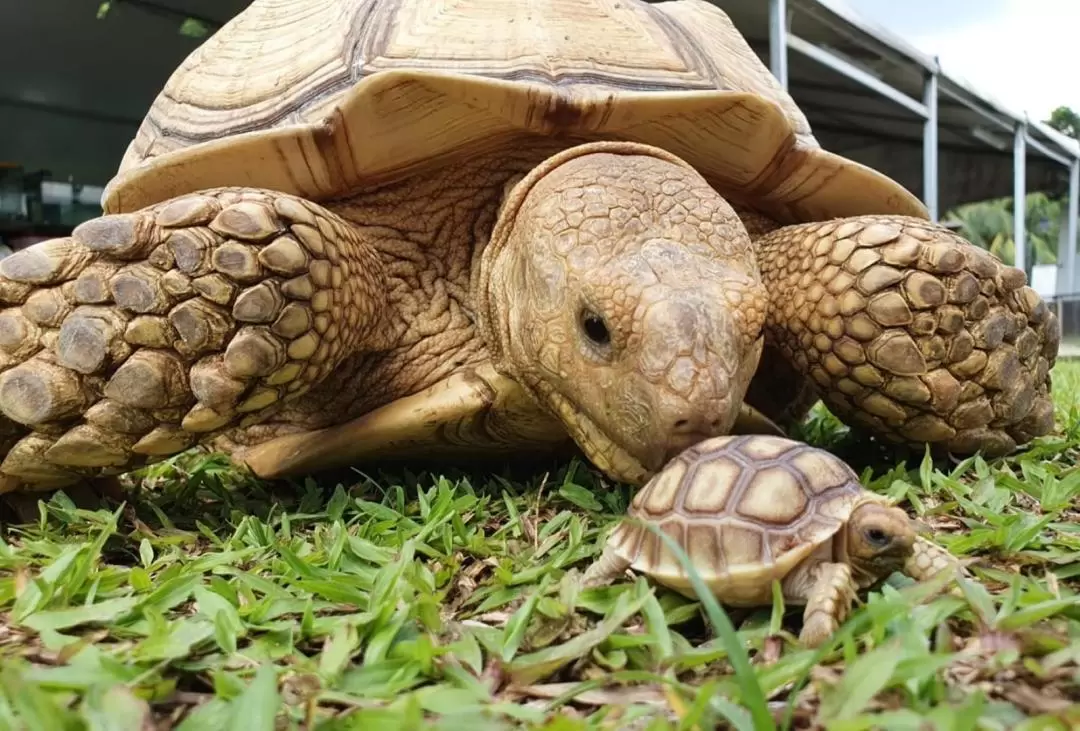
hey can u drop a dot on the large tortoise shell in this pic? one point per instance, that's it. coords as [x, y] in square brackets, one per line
[746, 509]
[321, 98]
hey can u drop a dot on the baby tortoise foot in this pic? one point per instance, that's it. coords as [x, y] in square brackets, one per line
[912, 332]
[144, 333]
[828, 603]
[604, 570]
[929, 560]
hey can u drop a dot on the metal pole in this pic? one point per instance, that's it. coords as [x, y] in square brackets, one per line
[1020, 195]
[930, 144]
[778, 40]
[1072, 275]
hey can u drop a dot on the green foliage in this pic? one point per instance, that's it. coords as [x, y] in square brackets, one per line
[190, 27]
[1065, 120]
[989, 225]
[193, 28]
[409, 601]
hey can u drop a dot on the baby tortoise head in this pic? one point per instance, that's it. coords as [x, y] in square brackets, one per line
[879, 538]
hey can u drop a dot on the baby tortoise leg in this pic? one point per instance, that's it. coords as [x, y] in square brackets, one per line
[144, 333]
[605, 569]
[829, 592]
[928, 560]
[616, 557]
[912, 332]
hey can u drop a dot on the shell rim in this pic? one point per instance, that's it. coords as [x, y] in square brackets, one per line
[192, 168]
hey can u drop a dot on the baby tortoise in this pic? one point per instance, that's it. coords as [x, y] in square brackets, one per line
[752, 509]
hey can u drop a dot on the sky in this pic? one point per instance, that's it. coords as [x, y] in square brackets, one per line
[1024, 53]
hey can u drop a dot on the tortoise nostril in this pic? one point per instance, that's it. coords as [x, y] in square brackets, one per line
[696, 425]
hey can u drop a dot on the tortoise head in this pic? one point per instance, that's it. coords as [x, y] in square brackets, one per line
[879, 540]
[622, 292]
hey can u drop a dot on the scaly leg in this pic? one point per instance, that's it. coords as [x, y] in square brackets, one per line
[144, 333]
[829, 592]
[605, 569]
[928, 560]
[912, 332]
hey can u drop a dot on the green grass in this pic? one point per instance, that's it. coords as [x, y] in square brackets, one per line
[408, 601]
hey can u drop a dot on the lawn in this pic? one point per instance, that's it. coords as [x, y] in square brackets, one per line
[408, 601]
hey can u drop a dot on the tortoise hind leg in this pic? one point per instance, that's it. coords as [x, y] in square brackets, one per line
[912, 332]
[609, 566]
[144, 333]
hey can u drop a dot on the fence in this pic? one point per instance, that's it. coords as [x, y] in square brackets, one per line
[1067, 308]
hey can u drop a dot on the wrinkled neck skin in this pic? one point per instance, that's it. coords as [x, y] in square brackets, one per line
[621, 291]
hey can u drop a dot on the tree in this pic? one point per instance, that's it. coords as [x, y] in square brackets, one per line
[1065, 120]
[989, 224]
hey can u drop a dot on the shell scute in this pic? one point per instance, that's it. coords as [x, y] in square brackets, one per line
[773, 495]
[658, 497]
[766, 447]
[716, 479]
[820, 471]
[704, 547]
[741, 543]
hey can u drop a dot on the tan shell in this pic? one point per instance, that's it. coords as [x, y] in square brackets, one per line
[319, 98]
[746, 509]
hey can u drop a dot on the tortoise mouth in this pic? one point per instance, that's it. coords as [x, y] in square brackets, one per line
[603, 451]
[679, 443]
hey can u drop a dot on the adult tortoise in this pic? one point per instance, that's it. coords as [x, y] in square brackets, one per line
[354, 229]
[750, 510]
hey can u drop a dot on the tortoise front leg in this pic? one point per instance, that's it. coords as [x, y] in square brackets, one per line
[928, 560]
[829, 593]
[144, 333]
[912, 332]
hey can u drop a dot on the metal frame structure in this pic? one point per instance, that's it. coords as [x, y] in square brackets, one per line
[937, 84]
[1071, 229]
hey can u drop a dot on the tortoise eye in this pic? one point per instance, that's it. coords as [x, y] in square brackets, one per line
[877, 537]
[595, 328]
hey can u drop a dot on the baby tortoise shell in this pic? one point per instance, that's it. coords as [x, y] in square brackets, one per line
[746, 510]
[749, 510]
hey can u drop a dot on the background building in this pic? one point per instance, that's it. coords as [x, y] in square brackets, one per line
[80, 74]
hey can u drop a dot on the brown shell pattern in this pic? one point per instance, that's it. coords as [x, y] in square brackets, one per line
[739, 502]
[321, 98]
[249, 76]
